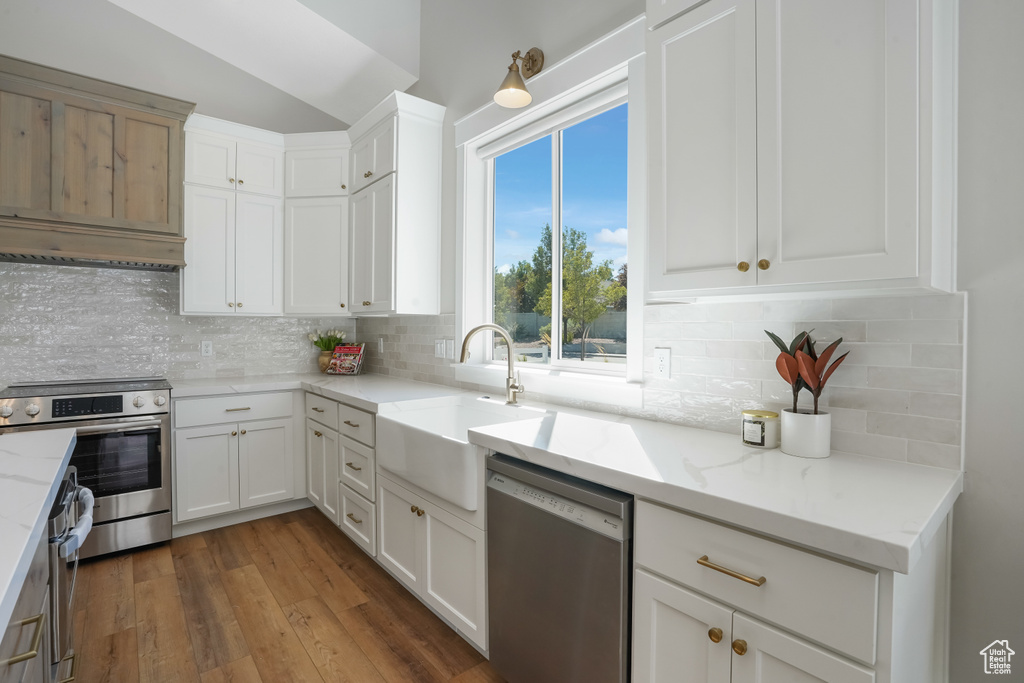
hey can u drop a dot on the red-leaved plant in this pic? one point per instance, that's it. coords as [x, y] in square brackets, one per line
[806, 369]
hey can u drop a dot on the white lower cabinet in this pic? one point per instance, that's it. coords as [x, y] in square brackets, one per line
[322, 468]
[227, 467]
[438, 556]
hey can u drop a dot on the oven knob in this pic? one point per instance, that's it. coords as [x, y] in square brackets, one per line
[31, 410]
[138, 402]
[6, 411]
[159, 400]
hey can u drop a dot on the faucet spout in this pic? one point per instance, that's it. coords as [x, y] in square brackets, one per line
[512, 385]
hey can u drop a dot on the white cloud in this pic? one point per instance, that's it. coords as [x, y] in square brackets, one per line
[617, 263]
[512, 234]
[505, 269]
[607, 236]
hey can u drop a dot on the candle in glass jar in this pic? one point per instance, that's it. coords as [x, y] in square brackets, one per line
[760, 428]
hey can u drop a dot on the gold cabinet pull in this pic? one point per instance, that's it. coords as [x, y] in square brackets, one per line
[231, 304]
[342, 305]
[317, 410]
[344, 186]
[354, 518]
[419, 511]
[234, 433]
[241, 182]
[353, 425]
[74, 669]
[736, 575]
[243, 431]
[739, 647]
[33, 648]
[764, 264]
[357, 469]
[231, 180]
[239, 304]
[368, 174]
[715, 635]
[316, 433]
[743, 266]
[237, 410]
[413, 509]
[366, 303]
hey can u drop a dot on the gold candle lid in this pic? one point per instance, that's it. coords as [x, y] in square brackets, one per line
[761, 414]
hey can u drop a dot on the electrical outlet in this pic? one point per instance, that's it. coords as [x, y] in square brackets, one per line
[206, 348]
[449, 349]
[439, 348]
[380, 346]
[663, 362]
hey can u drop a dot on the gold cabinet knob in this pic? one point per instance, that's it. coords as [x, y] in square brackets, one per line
[368, 174]
[366, 303]
[764, 264]
[342, 305]
[715, 635]
[231, 180]
[344, 187]
[419, 513]
[739, 647]
[243, 431]
[231, 304]
[241, 182]
[234, 433]
[239, 304]
[316, 433]
[743, 266]
[413, 509]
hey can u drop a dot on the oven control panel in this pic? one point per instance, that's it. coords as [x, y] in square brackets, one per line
[87, 405]
[41, 410]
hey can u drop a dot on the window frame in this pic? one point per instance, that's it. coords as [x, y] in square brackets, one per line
[572, 90]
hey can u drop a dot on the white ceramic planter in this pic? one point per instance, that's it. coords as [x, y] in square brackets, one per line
[805, 434]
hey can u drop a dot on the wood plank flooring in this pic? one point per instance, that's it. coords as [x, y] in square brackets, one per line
[286, 598]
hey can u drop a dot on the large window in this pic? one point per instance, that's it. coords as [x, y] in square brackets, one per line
[561, 293]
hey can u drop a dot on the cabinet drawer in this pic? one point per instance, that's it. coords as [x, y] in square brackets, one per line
[358, 520]
[356, 464]
[226, 409]
[355, 423]
[25, 622]
[323, 410]
[828, 601]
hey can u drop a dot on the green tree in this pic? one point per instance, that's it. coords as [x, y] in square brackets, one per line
[511, 296]
[540, 275]
[588, 290]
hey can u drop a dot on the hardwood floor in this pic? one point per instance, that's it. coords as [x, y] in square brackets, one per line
[286, 598]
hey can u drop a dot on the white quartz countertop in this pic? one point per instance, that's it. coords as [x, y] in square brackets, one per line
[873, 511]
[32, 466]
[362, 391]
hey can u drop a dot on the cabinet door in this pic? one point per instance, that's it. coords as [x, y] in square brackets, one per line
[660, 11]
[382, 279]
[454, 572]
[26, 138]
[260, 169]
[672, 633]
[702, 147]
[398, 532]
[259, 254]
[316, 172]
[837, 124]
[266, 471]
[361, 252]
[316, 259]
[147, 171]
[357, 519]
[205, 471]
[773, 656]
[322, 468]
[210, 160]
[373, 155]
[208, 279]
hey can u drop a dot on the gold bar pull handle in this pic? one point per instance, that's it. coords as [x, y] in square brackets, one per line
[704, 562]
[33, 649]
[353, 425]
[317, 410]
[74, 669]
[354, 518]
[357, 469]
[236, 410]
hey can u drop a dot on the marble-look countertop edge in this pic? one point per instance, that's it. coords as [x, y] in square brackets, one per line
[16, 579]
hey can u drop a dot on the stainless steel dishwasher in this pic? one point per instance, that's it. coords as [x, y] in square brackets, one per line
[559, 552]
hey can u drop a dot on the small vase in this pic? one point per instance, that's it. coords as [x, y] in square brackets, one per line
[805, 434]
[324, 360]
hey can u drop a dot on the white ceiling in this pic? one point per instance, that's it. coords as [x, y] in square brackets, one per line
[283, 65]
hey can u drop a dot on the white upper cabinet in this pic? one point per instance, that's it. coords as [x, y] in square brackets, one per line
[395, 209]
[316, 256]
[798, 145]
[316, 172]
[234, 164]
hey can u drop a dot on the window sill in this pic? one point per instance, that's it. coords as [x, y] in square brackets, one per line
[558, 383]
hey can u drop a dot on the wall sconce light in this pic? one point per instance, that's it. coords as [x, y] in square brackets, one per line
[512, 93]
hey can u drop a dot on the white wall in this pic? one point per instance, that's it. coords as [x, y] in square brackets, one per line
[988, 551]
[465, 49]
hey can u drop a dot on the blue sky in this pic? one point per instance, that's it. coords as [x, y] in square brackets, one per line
[593, 190]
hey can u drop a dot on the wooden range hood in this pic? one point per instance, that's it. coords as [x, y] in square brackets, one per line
[90, 172]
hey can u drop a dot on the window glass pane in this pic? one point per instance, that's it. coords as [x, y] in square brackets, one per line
[522, 249]
[594, 263]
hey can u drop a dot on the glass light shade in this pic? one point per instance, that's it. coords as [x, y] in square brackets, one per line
[512, 93]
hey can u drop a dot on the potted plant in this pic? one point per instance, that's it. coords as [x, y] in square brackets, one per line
[326, 341]
[807, 434]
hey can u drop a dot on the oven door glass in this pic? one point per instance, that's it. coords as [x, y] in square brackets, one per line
[112, 463]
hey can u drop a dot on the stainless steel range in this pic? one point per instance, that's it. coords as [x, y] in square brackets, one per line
[123, 451]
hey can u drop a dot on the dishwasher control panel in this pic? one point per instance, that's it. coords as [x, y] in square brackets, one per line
[573, 511]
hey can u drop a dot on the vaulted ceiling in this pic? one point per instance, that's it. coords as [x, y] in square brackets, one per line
[284, 65]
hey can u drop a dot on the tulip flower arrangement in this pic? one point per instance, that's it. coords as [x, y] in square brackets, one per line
[801, 366]
[326, 341]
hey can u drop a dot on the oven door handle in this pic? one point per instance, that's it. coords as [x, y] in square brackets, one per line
[119, 427]
[76, 537]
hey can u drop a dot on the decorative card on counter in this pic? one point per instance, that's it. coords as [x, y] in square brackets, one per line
[347, 359]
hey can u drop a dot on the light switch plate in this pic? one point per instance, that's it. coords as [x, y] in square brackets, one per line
[206, 348]
[439, 348]
[663, 362]
[449, 349]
